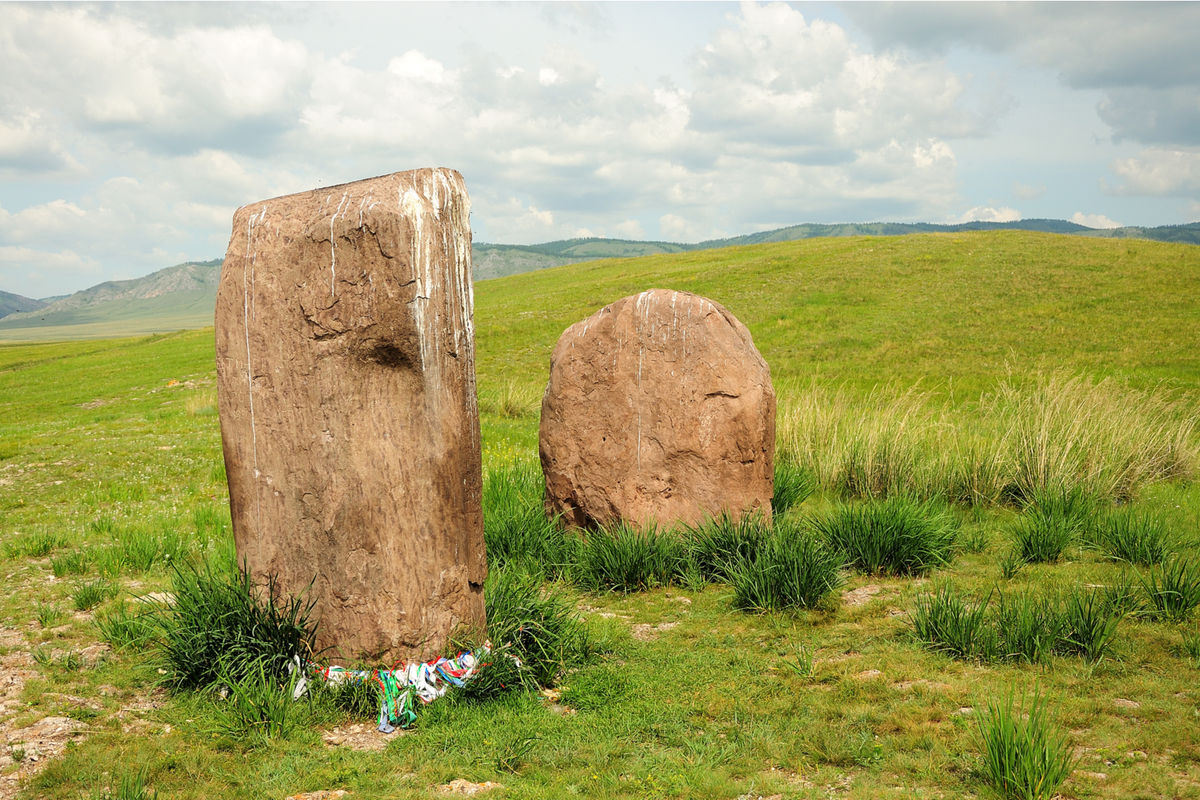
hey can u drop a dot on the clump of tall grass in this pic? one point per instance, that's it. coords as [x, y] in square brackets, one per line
[1056, 434]
[89, 594]
[516, 530]
[1051, 523]
[132, 786]
[1088, 624]
[1028, 627]
[211, 521]
[222, 627]
[1124, 596]
[140, 548]
[896, 536]
[1189, 646]
[537, 635]
[792, 568]
[718, 545]
[1136, 537]
[1173, 589]
[950, 623]
[34, 545]
[258, 704]
[868, 447]
[1017, 627]
[202, 403]
[72, 562]
[793, 485]
[48, 616]
[1075, 432]
[626, 558]
[128, 628]
[511, 400]
[1024, 756]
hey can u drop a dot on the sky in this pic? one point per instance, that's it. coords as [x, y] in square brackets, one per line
[129, 133]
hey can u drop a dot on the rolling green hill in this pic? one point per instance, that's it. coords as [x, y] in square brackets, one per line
[111, 475]
[957, 309]
[14, 304]
[183, 296]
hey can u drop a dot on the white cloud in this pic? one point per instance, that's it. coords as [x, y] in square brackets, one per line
[777, 119]
[236, 87]
[39, 273]
[511, 221]
[775, 77]
[829, 116]
[1159, 171]
[28, 145]
[989, 214]
[1153, 116]
[1142, 55]
[629, 229]
[675, 228]
[1093, 220]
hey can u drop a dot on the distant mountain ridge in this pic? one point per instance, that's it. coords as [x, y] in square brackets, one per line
[185, 292]
[14, 304]
[497, 260]
[184, 296]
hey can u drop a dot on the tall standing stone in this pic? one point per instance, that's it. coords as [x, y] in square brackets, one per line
[659, 409]
[346, 377]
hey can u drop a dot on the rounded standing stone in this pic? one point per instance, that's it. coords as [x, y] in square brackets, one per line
[659, 409]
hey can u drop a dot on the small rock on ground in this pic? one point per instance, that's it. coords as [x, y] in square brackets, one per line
[1121, 702]
[645, 632]
[905, 686]
[359, 736]
[465, 787]
[860, 596]
[324, 794]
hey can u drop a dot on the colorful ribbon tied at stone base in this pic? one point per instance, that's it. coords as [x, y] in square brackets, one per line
[402, 685]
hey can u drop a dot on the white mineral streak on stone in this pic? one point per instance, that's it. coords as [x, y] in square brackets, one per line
[639, 402]
[363, 206]
[458, 298]
[333, 241]
[247, 311]
[410, 204]
[464, 288]
[642, 316]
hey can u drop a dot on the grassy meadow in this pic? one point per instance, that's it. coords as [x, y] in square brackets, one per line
[987, 546]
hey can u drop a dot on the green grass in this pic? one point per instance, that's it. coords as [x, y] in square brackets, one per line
[974, 370]
[896, 536]
[1052, 522]
[516, 530]
[1025, 757]
[86, 595]
[716, 547]
[793, 485]
[537, 634]
[1017, 626]
[1173, 589]
[217, 629]
[625, 558]
[1135, 537]
[792, 569]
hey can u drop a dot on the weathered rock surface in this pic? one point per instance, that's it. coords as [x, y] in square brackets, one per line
[346, 378]
[659, 408]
